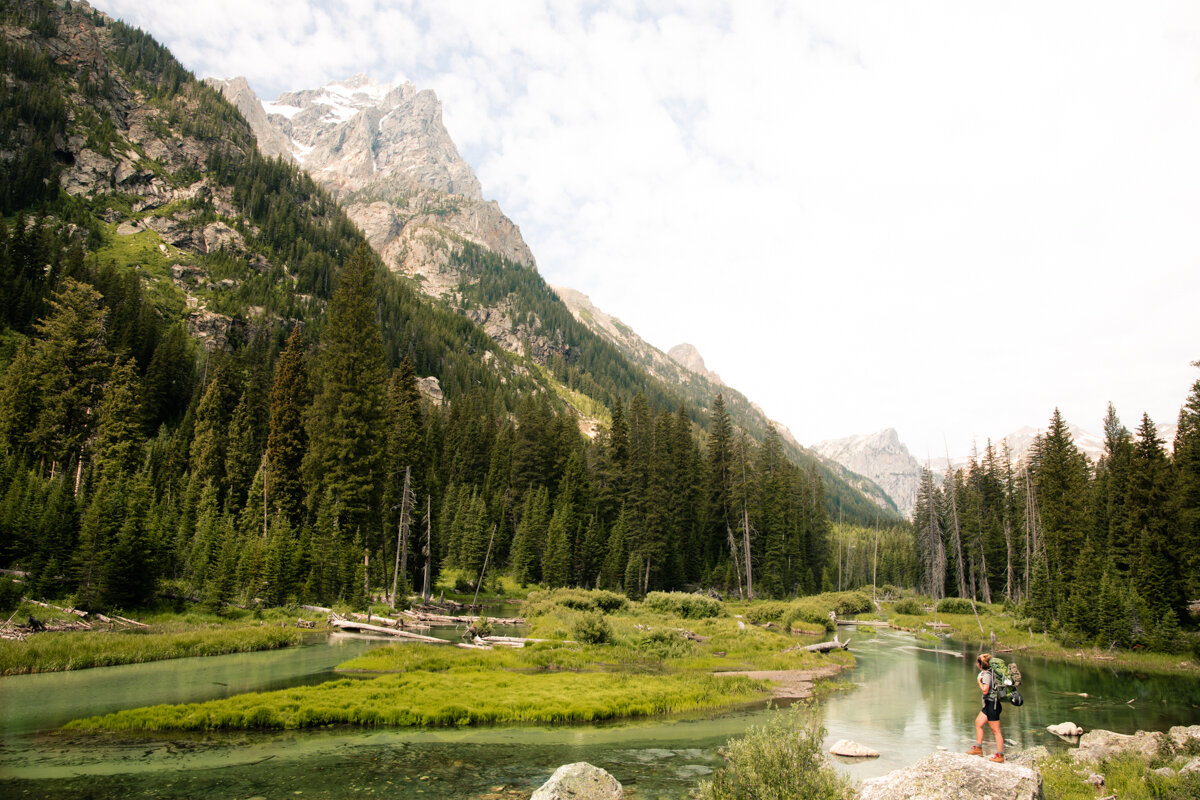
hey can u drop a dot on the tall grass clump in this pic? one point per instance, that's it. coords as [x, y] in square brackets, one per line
[683, 604]
[551, 601]
[781, 760]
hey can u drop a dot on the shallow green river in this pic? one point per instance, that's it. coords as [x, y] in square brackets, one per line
[906, 702]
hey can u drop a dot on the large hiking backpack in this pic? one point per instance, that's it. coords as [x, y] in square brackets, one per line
[1006, 677]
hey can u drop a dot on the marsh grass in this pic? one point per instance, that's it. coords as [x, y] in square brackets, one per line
[1129, 777]
[1012, 633]
[68, 650]
[443, 699]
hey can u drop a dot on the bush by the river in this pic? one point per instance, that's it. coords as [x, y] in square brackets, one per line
[592, 628]
[683, 604]
[959, 605]
[909, 606]
[551, 601]
[781, 760]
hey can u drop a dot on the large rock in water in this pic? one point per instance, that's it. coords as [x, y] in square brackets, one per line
[950, 776]
[580, 781]
[849, 749]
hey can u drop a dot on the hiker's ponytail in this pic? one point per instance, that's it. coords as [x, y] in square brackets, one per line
[984, 660]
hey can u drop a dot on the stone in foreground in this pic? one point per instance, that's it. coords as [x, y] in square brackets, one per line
[580, 781]
[845, 747]
[950, 776]
[1100, 744]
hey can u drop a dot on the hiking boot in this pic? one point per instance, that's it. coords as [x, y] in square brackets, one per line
[998, 758]
[975, 751]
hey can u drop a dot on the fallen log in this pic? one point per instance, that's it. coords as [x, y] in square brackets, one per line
[447, 619]
[318, 609]
[826, 647]
[74, 611]
[352, 625]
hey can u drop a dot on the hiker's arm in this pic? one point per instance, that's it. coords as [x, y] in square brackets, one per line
[983, 687]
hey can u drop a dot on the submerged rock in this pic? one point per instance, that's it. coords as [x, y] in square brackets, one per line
[845, 747]
[949, 776]
[1065, 729]
[580, 781]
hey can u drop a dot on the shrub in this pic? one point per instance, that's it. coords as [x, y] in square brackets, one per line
[847, 603]
[782, 759]
[908, 606]
[770, 611]
[682, 604]
[809, 615]
[956, 605]
[548, 601]
[592, 628]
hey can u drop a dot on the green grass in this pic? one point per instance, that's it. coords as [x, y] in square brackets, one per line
[1011, 634]
[440, 699]
[68, 650]
[1128, 776]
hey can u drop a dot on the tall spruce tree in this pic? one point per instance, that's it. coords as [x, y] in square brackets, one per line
[345, 423]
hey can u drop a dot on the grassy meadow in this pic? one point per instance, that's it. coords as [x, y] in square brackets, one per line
[605, 658]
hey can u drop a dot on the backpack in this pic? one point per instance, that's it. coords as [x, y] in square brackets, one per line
[1006, 677]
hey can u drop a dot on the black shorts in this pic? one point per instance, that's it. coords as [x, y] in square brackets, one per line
[991, 709]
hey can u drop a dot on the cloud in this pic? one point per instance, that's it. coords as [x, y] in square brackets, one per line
[945, 217]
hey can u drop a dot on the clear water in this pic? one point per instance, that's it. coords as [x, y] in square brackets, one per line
[905, 702]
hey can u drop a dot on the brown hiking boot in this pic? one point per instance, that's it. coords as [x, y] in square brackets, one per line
[998, 758]
[975, 751]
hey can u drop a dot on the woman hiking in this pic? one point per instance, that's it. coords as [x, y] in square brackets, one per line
[991, 710]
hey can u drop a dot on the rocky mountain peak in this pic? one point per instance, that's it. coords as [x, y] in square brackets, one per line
[883, 458]
[688, 357]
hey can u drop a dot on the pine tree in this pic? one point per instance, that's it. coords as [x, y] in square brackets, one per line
[345, 424]
[1185, 495]
[286, 439]
[119, 441]
[1155, 569]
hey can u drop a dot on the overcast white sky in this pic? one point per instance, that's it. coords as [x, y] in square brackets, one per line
[943, 217]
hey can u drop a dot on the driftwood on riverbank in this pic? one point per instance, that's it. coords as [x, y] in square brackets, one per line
[432, 618]
[354, 625]
[821, 647]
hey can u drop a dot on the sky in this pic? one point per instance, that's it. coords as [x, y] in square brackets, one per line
[948, 218]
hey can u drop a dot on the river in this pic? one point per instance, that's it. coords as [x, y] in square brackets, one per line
[903, 699]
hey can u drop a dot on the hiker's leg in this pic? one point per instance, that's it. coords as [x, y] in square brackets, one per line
[995, 726]
[979, 720]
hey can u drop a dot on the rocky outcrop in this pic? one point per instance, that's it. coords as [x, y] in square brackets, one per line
[688, 357]
[951, 776]
[580, 781]
[1097, 745]
[884, 459]
[237, 91]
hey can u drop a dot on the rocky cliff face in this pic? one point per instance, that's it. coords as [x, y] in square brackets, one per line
[385, 154]
[688, 357]
[884, 459]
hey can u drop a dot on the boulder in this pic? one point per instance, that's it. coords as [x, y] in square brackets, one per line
[580, 781]
[1096, 745]
[1190, 767]
[1180, 734]
[949, 776]
[1030, 756]
[845, 747]
[1065, 729]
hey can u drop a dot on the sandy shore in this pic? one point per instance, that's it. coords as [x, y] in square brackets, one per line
[791, 684]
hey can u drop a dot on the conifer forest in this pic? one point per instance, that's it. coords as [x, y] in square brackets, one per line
[304, 454]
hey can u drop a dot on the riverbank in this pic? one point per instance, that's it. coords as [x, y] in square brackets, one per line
[1010, 637]
[155, 636]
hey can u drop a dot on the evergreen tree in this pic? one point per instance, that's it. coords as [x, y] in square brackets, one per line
[119, 441]
[1156, 574]
[286, 439]
[1185, 496]
[345, 425]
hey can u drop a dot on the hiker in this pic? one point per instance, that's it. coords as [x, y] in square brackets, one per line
[991, 710]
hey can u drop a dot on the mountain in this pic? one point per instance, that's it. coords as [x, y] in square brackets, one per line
[383, 151]
[684, 370]
[883, 458]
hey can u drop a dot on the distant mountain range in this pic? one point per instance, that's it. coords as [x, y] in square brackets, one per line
[884, 459]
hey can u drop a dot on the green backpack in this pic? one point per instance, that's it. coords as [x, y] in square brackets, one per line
[1005, 678]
